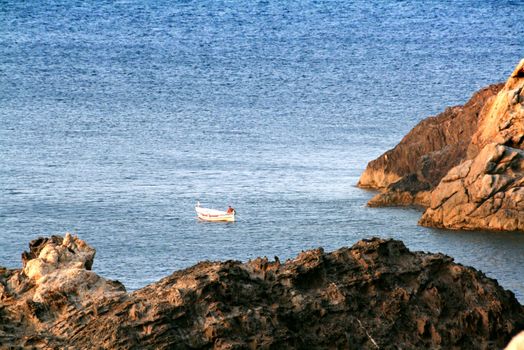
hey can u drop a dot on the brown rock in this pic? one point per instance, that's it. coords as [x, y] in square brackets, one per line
[373, 295]
[465, 165]
[433, 147]
[493, 186]
[50, 291]
[409, 190]
[502, 119]
[482, 199]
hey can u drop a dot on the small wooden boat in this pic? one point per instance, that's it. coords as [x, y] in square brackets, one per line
[214, 215]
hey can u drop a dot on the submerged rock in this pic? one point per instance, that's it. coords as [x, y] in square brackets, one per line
[376, 294]
[464, 166]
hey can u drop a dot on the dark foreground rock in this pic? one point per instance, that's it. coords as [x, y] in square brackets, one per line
[376, 294]
[465, 166]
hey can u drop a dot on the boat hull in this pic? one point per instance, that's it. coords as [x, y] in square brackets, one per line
[212, 215]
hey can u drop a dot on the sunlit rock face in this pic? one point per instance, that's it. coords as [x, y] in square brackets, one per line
[57, 265]
[486, 191]
[479, 183]
[41, 302]
[483, 193]
[502, 119]
[374, 294]
[427, 152]
[49, 254]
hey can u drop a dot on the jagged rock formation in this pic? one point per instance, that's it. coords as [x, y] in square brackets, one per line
[485, 192]
[376, 294]
[54, 283]
[63, 265]
[479, 183]
[488, 188]
[502, 120]
[426, 153]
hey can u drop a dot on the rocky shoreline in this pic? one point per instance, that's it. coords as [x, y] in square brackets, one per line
[376, 294]
[464, 166]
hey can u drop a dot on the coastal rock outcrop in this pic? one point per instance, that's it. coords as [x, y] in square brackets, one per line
[376, 294]
[485, 192]
[478, 184]
[502, 120]
[424, 156]
[54, 283]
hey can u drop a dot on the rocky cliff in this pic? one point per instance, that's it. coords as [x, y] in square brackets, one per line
[426, 153]
[485, 192]
[463, 165]
[376, 294]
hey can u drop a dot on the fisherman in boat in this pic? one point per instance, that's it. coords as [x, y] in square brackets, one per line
[230, 210]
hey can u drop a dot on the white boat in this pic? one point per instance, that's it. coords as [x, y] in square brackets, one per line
[207, 214]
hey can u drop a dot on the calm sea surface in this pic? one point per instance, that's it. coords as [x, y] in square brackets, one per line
[117, 116]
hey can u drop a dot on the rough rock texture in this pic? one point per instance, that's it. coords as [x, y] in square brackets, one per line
[426, 153]
[54, 282]
[486, 192]
[477, 184]
[408, 190]
[376, 294]
[502, 120]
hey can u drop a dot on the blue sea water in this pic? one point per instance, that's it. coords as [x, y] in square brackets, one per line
[117, 116]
